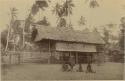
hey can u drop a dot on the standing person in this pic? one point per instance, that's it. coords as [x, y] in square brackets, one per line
[80, 64]
[80, 68]
[65, 63]
[71, 62]
[89, 66]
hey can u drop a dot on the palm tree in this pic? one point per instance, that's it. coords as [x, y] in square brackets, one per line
[93, 3]
[27, 33]
[106, 35]
[122, 34]
[63, 10]
[28, 21]
[82, 21]
[67, 7]
[57, 10]
[13, 16]
[39, 4]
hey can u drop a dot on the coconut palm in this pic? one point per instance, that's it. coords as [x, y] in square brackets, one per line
[39, 4]
[106, 35]
[57, 10]
[63, 10]
[67, 10]
[67, 7]
[93, 3]
[13, 12]
[82, 21]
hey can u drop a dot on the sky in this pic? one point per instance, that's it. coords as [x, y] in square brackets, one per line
[109, 11]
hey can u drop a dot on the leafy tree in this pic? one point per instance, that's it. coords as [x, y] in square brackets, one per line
[111, 25]
[39, 4]
[106, 35]
[29, 20]
[122, 35]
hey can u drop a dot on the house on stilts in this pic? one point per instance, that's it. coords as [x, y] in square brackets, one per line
[57, 44]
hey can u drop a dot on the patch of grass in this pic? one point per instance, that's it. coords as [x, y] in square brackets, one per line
[107, 71]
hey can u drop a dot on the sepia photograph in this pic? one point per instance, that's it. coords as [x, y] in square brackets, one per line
[62, 40]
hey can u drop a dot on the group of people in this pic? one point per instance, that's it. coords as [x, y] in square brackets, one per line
[69, 66]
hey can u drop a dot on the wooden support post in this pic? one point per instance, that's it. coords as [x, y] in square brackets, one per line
[70, 53]
[55, 54]
[76, 58]
[14, 50]
[9, 58]
[23, 37]
[19, 58]
[92, 57]
[49, 53]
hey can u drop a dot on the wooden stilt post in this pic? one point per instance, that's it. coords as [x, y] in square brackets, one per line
[23, 35]
[49, 53]
[10, 58]
[14, 50]
[92, 57]
[76, 58]
[70, 54]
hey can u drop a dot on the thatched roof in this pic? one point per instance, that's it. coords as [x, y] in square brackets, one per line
[63, 34]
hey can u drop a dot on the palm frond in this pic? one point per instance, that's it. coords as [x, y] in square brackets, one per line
[57, 10]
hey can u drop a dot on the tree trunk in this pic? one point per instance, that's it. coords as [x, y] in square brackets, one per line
[7, 38]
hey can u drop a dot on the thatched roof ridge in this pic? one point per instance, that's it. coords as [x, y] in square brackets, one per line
[65, 34]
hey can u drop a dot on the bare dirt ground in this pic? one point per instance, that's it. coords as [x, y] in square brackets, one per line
[106, 71]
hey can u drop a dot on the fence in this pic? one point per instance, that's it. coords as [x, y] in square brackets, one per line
[18, 57]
